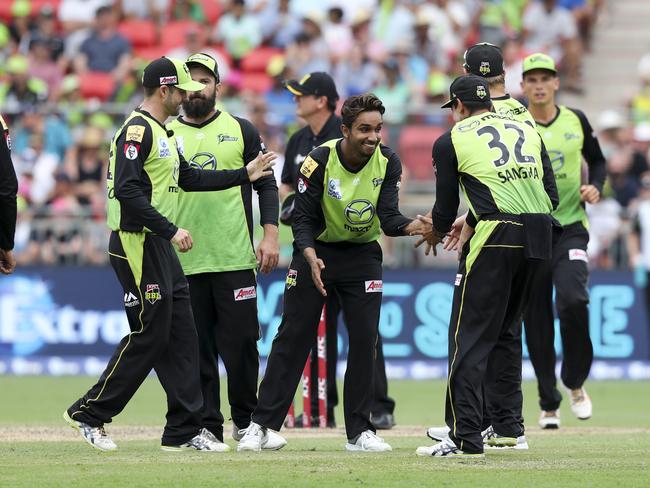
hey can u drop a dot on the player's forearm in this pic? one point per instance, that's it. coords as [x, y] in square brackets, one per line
[268, 201]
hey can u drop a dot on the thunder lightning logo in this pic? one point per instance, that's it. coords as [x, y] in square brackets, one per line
[485, 68]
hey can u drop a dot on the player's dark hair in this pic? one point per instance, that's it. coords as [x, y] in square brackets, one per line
[150, 90]
[331, 104]
[475, 106]
[353, 106]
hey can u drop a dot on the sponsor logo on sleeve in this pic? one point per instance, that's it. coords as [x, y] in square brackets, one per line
[131, 150]
[459, 278]
[168, 80]
[245, 293]
[302, 185]
[377, 182]
[152, 294]
[308, 166]
[374, 286]
[292, 278]
[135, 133]
[578, 255]
[163, 148]
[8, 140]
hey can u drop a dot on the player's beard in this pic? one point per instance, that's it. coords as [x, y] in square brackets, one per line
[197, 107]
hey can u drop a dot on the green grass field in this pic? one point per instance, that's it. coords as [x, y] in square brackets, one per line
[38, 449]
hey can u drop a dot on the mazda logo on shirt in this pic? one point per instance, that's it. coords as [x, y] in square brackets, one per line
[203, 161]
[359, 212]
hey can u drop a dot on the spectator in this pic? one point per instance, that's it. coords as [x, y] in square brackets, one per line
[424, 46]
[392, 25]
[85, 167]
[302, 57]
[79, 14]
[551, 29]
[640, 103]
[280, 25]
[357, 74]
[448, 21]
[188, 10]
[195, 42]
[105, 49]
[513, 57]
[55, 132]
[45, 31]
[19, 89]
[394, 93]
[43, 67]
[35, 169]
[154, 10]
[337, 34]
[585, 13]
[20, 23]
[239, 31]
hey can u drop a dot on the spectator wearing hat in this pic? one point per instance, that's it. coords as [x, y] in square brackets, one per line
[45, 31]
[20, 23]
[20, 89]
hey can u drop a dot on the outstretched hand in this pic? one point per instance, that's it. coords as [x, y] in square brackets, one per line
[429, 234]
[261, 166]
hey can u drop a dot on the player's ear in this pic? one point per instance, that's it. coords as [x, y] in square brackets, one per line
[345, 131]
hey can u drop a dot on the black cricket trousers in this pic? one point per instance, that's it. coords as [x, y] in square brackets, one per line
[349, 272]
[162, 337]
[570, 274]
[492, 284]
[225, 313]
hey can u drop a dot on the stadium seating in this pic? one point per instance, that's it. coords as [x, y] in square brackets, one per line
[256, 82]
[173, 33]
[212, 10]
[258, 59]
[96, 85]
[140, 33]
[415, 144]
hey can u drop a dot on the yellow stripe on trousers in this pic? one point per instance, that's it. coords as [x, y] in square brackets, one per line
[484, 230]
[133, 245]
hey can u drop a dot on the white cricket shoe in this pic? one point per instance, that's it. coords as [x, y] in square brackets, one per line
[274, 441]
[368, 441]
[254, 436]
[95, 436]
[491, 440]
[204, 441]
[446, 448]
[549, 419]
[580, 403]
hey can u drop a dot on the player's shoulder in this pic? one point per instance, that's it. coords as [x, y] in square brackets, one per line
[4, 125]
[321, 154]
[445, 140]
[136, 129]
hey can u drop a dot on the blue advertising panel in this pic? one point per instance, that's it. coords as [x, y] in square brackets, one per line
[68, 321]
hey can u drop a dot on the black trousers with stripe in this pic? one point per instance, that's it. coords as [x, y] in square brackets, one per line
[347, 269]
[381, 403]
[163, 337]
[492, 285]
[569, 273]
[225, 313]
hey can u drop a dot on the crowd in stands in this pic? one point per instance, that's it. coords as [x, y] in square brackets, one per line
[70, 70]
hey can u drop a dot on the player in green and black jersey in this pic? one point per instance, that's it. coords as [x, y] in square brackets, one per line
[145, 175]
[569, 139]
[347, 193]
[8, 191]
[509, 187]
[220, 269]
[486, 60]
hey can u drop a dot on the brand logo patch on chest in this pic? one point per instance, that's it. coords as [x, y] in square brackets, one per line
[203, 160]
[334, 188]
[163, 148]
[359, 212]
[226, 138]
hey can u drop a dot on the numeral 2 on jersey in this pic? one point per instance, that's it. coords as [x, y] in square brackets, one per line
[495, 143]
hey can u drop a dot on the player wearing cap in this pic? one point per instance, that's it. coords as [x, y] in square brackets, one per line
[347, 193]
[569, 138]
[510, 190]
[144, 176]
[220, 269]
[486, 60]
[316, 97]
[8, 191]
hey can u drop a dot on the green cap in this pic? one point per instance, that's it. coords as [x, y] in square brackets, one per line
[169, 71]
[21, 8]
[539, 61]
[17, 64]
[206, 61]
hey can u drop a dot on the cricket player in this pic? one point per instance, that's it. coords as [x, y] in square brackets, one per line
[569, 138]
[8, 191]
[220, 269]
[510, 189]
[347, 193]
[144, 178]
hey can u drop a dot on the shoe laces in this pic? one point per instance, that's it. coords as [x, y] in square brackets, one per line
[489, 433]
[205, 433]
[253, 430]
